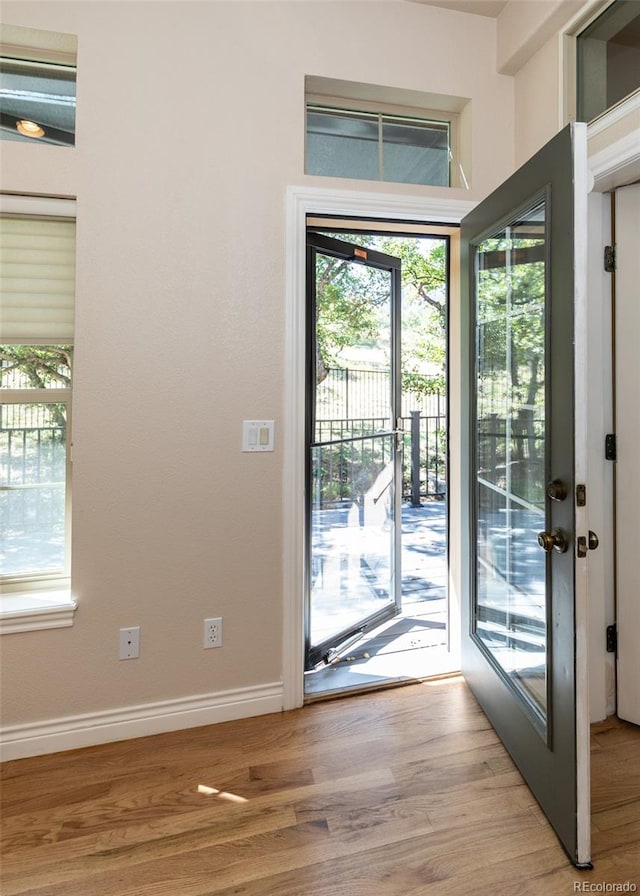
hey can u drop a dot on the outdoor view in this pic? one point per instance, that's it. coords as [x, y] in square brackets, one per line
[510, 451]
[35, 386]
[352, 456]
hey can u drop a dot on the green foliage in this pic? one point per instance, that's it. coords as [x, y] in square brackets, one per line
[423, 384]
[349, 301]
[39, 367]
[36, 366]
[353, 309]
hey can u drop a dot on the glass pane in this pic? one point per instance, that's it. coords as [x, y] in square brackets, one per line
[35, 366]
[38, 102]
[33, 458]
[351, 533]
[415, 152]
[342, 144]
[352, 461]
[353, 335]
[609, 59]
[510, 453]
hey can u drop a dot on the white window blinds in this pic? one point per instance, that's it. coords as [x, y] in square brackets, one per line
[37, 276]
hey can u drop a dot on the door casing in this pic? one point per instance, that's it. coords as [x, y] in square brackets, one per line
[302, 203]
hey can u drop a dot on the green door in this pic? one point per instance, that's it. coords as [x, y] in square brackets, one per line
[523, 624]
[353, 463]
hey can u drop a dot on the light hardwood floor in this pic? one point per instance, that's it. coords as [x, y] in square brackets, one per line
[397, 793]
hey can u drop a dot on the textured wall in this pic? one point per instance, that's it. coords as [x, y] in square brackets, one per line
[189, 129]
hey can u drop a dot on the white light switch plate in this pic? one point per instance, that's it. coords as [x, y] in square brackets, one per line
[257, 435]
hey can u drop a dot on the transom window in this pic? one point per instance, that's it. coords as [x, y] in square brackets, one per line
[378, 146]
[608, 60]
[380, 133]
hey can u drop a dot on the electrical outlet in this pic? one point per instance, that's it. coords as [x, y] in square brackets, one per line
[130, 643]
[213, 632]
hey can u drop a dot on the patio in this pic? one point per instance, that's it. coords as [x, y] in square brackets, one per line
[412, 645]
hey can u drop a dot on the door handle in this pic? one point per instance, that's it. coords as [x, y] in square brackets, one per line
[556, 490]
[399, 433]
[556, 540]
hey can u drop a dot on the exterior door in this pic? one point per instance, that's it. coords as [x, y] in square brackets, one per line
[524, 623]
[353, 463]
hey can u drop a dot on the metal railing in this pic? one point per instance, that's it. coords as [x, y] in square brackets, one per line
[351, 406]
[353, 393]
[350, 456]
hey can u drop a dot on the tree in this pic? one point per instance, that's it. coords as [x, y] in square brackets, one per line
[38, 367]
[42, 366]
[348, 301]
[351, 300]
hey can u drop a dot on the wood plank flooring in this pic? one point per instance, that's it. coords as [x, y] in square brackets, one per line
[397, 793]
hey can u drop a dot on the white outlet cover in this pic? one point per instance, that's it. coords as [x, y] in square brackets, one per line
[257, 435]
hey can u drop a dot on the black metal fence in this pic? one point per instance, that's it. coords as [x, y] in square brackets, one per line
[33, 458]
[352, 456]
[353, 404]
[353, 393]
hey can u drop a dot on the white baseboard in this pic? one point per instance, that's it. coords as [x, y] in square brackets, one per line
[54, 735]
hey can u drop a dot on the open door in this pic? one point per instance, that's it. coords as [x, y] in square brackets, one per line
[353, 464]
[524, 621]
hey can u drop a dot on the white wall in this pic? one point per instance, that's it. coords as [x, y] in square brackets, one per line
[189, 129]
[537, 101]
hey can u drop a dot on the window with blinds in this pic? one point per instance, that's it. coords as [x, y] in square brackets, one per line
[37, 304]
[37, 278]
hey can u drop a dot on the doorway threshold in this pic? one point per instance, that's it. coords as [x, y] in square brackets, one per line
[409, 648]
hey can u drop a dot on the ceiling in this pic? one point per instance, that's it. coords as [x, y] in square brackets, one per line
[491, 8]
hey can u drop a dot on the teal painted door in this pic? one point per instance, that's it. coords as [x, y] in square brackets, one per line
[524, 612]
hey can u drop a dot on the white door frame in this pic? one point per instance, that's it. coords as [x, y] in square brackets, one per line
[627, 429]
[303, 201]
[614, 160]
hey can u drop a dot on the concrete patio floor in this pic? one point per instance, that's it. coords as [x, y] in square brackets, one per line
[414, 644]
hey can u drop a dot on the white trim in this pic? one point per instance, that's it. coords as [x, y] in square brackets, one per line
[72, 732]
[612, 116]
[581, 443]
[301, 202]
[600, 421]
[618, 164]
[32, 611]
[42, 206]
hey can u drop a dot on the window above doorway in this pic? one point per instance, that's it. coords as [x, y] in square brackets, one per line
[367, 132]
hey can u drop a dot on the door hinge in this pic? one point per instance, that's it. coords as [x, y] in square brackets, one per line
[610, 447]
[610, 259]
[612, 638]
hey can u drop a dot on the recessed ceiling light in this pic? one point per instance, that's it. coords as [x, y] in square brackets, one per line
[29, 128]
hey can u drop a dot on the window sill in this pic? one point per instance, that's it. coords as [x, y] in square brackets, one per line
[31, 611]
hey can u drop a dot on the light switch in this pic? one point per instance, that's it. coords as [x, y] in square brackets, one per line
[257, 435]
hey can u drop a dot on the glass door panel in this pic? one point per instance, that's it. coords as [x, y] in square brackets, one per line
[352, 538]
[353, 458]
[510, 606]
